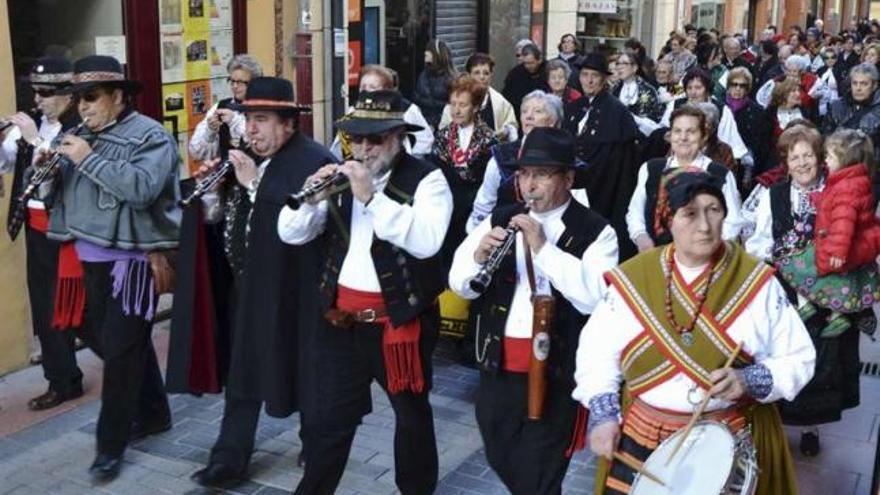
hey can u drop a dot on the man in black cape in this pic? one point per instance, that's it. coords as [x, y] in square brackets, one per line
[270, 336]
[607, 141]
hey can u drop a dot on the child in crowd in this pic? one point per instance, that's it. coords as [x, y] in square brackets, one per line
[838, 271]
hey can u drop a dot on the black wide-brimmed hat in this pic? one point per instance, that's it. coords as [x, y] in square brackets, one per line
[683, 185]
[377, 112]
[594, 61]
[100, 70]
[52, 73]
[268, 94]
[547, 147]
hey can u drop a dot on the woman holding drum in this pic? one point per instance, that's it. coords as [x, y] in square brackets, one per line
[671, 318]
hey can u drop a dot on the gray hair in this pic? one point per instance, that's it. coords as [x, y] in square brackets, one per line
[865, 68]
[711, 112]
[551, 101]
[798, 62]
[523, 43]
[785, 52]
[557, 64]
[246, 63]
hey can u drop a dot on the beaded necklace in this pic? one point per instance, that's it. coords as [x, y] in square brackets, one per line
[686, 331]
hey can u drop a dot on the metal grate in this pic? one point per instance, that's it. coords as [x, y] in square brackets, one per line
[871, 369]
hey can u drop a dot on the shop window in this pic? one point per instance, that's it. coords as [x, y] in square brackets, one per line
[606, 23]
[407, 32]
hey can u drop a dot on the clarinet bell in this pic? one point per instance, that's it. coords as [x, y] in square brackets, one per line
[481, 282]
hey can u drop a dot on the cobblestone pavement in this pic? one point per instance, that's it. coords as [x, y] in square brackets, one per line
[52, 456]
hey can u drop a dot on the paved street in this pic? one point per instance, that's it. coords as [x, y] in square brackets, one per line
[50, 452]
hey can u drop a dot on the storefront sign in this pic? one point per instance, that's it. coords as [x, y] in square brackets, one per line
[597, 6]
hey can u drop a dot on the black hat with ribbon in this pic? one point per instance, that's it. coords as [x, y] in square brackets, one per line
[269, 94]
[51, 73]
[377, 112]
[100, 70]
[547, 147]
[594, 61]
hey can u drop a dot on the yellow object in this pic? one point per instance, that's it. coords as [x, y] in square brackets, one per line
[453, 314]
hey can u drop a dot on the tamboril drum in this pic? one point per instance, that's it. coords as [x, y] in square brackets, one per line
[711, 461]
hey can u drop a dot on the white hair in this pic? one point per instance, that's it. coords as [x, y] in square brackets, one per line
[798, 62]
[551, 101]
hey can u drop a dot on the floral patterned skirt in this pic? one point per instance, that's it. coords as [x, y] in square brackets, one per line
[848, 292]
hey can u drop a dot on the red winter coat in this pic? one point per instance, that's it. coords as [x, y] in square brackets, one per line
[845, 224]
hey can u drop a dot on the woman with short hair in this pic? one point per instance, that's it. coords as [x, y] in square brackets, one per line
[558, 75]
[495, 110]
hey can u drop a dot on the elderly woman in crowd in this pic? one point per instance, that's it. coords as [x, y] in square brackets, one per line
[668, 86]
[751, 122]
[205, 141]
[634, 91]
[558, 75]
[796, 69]
[785, 226]
[639, 393]
[697, 85]
[680, 57]
[648, 206]
[462, 151]
[539, 109]
[785, 106]
[495, 111]
[825, 91]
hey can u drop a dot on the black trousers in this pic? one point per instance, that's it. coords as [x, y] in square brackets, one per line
[528, 456]
[132, 383]
[235, 444]
[347, 362]
[57, 346]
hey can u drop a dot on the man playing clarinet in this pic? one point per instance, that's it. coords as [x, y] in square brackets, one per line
[529, 423]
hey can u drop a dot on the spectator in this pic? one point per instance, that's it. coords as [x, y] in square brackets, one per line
[432, 86]
[860, 109]
[634, 92]
[558, 74]
[529, 75]
[826, 88]
[569, 50]
[495, 110]
[680, 58]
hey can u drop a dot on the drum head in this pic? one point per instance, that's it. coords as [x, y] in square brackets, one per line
[702, 466]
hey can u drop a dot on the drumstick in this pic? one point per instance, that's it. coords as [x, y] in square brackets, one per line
[639, 468]
[701, 408]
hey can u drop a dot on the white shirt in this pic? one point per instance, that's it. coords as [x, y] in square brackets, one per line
[785, 115]
[487, 196]
[629, 92]
[760, 244]
[419, 229]
[464, 136]
[727, 131]
[635, 213]
[204, 143]
[583, 122]
[578, 279]
[769, 328]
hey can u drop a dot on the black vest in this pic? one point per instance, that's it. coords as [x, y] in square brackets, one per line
[505, 155]
[656, 167]
[582, 226]
[780, 209]
[409, 285]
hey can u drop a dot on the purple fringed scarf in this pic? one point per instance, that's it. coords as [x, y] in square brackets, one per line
[131, 274]
[736, 104]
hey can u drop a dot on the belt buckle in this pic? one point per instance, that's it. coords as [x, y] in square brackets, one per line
[367, 315]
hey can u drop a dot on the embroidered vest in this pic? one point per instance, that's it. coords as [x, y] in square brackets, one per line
[409, 285]
[656, 167]
[582, 226]
[659, 352]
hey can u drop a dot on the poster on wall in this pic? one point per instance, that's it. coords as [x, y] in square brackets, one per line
[220, 14]
[173, 69]
[198, 102]
[196, 18]
[174, 107]
[221, 51]
[196, 53]
[170, 16]
[220, 89]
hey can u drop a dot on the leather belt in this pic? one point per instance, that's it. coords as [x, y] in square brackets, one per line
[346, 319]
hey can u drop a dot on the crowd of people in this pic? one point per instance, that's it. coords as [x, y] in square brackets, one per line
[629, 241]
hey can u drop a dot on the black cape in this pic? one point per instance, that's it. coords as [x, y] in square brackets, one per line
[277, 287]
[609, 145]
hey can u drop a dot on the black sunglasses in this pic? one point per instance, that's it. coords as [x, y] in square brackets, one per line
[44, 93]
[90, 97]
[374, 139]
[739, 85]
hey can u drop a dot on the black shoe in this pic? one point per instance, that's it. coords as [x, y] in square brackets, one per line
[217, 475]
[54, 398]
[105, 468]
[810, 443]
[140, 430]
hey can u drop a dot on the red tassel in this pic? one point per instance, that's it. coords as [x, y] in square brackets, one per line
[70, 290]
[579, 436]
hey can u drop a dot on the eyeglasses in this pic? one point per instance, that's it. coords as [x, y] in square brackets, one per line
[233, 82]
[739, 85]
[832, 57]
[44, 93]
[90, 97]
[374, 139]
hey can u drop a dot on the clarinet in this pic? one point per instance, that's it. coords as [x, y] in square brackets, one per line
[212, 179]
[43, 173]
[481, 281]
[297, 199]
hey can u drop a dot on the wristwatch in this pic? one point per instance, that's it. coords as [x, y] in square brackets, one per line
[253, 184]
